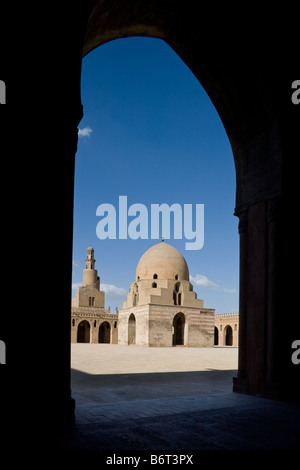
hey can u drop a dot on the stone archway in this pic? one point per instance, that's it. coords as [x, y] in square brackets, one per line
[228, 336]
[131, 329]
[216, 340]
[179, 329]
[104, 332]
[177, 294]
[83, 332]
[251, 92]
[252, 126]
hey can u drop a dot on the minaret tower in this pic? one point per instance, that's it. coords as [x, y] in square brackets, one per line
[90, 261]
[90, 277]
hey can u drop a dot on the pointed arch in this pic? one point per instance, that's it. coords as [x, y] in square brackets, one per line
[84, 332]
[104, 332]
[228, 336]
[131, 329]
[179, 326]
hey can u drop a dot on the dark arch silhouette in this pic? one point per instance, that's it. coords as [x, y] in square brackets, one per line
[179, 329]
[216, 340]
[104, 332]
[252, 94]
[228, 336]
[83, 332]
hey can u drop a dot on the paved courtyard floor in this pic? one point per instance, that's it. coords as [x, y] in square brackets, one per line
[159, 399]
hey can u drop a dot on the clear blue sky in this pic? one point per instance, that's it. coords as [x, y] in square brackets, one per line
[150, 132]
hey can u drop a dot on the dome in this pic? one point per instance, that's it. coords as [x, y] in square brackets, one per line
[162, 261]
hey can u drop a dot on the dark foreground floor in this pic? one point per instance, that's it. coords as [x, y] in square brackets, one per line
[176, 411]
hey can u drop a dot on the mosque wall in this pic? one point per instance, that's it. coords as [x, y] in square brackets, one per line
[134, 319]
[160, 326]
[227, 329]
[156, 326]
[157, 312]
[201, 328]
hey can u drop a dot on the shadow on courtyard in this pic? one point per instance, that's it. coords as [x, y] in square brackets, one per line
[109, 388]
[176, 411]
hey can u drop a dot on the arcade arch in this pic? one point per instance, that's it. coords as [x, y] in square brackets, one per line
[83, 332]
[260, 127]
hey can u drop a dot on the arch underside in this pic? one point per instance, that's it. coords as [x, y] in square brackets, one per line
[246, 66]
[224, 72]
[237, 69]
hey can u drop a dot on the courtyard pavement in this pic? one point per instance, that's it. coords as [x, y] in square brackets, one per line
[161, 399]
